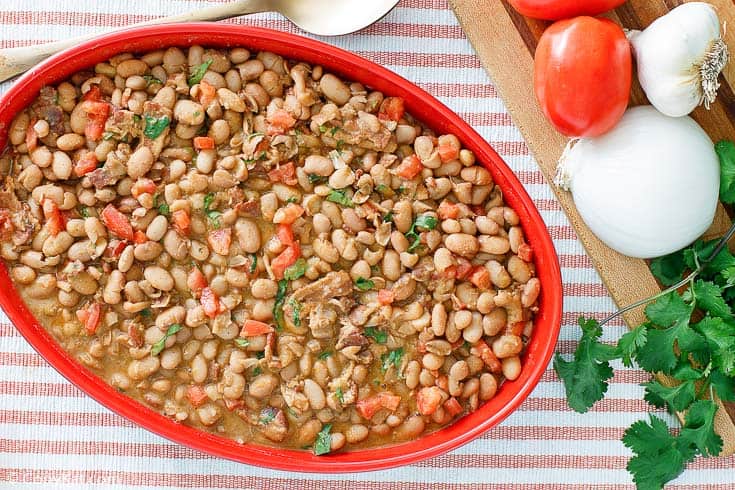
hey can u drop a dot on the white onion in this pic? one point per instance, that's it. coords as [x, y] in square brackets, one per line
[647, 188]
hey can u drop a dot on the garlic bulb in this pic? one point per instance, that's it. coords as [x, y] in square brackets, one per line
[647, 188]
[680, 57]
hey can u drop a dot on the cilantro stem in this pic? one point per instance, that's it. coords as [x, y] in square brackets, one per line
[700, 266]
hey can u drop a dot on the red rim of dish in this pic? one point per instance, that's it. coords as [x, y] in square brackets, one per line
[422, 106]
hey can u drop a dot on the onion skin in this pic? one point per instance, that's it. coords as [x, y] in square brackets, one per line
[649, 187]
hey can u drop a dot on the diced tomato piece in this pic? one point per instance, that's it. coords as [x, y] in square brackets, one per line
[139, 237]
[285, 173]
[86, 163]
[203, 143]
[196, 281]
[464, 267]
[94, 94]
[280, 121]
[515, 328]
[369, 406]
[453, 407]
[220, 240]
[181, 221]
[290, 213]
[253, 328]
[392, 109]
[115, 248]
[409, 168]
[480, 277]
[442, 381]
[525, 252]
[117, 222]
[449, 273]
[90, 317]
[197, 395]
[428, 399]
[210, 302]
[143, 186]
[284, 233]
[484, 352]
[285, 259]
[97, 114]
[232, 405]
[55, 220]
[389, 400]
[207, 93]
[31, 136]
[448, 210]
[386, 297]
[448, 152]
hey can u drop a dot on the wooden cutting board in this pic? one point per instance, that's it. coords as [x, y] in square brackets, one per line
[506, 41]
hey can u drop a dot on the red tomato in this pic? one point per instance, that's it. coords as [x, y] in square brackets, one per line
[90, 317]
[563, 9]
[285, 259]
[86, 163]
[181, 221]
[391, 109]
[409, 168]
[117, 222]
[253, 328]
[196, 281]
[55, 220]
[582, 76]
[210, 302]
[203, 143]
[220, 241]
[285, 173]
[196, 395]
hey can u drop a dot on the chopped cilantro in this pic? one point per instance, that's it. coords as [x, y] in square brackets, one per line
[340, 394]
[278, 305]
[83, 211]
[340, 197]
[198, 72]
[253, 263]
[241, 342]
[424, 221]
[316, 179]
[393, 358]
[151, 80]
[146, 313]
[296, 270]
[161, 344]
[380, 336]
[257, 371]
[154, 126]
[325, 354]
[296, 312]
[212, 214]
[323, 443]
[364, 284]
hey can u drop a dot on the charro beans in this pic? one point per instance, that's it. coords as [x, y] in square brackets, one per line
[249, 253]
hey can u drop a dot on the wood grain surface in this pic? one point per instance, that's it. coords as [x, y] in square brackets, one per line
[505, 42]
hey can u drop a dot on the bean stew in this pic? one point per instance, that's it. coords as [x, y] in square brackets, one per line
[255, 247]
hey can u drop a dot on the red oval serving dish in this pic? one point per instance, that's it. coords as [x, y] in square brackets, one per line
[420, 104]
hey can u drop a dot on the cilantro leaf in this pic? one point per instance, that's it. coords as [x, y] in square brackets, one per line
[158, 347]
[295, 270]
[340, 394]
[630, 342]
[296, 306]
[723, 385]
[212, 214]
[198, 73]
[669, 269]
[720, 337]
[341, 198]
[585, 377]
[701, 251]
[425, 221]
[241, 342]
[278, 305]
[253, 263]
[658, 458]
[316, 179]
[699, 428]
[379, 336]
[677, 397]
[323, 443]
[726, 153]
[324, 355]
[709, 298]
[364, 284]
[154, 126]
[668, 310]
[393, 357]
[686, 372]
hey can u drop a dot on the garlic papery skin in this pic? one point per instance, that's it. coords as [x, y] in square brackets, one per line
[647, 188]
[680, 57]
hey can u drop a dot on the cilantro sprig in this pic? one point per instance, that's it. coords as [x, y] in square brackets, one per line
[688, 335]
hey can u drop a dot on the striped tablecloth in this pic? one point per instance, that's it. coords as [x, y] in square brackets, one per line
[54, 437]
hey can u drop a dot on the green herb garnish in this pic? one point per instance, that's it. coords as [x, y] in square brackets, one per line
[257, 371]
[325, 354]
[340, 394]
[83, 211]
[334, 130]
[161, 344]
[323, 443]
[154, 126]
[253, 263]
[296, 306]
[316, 179]
[198, 73]
[146, 313]
[424, 221]
[364, 284]
[212, 214]
[151, 80]
[296, 270]
[339, 197]
[278, 305]
[379, 336]
[393, 357]
[242, 342]
[388, 218]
